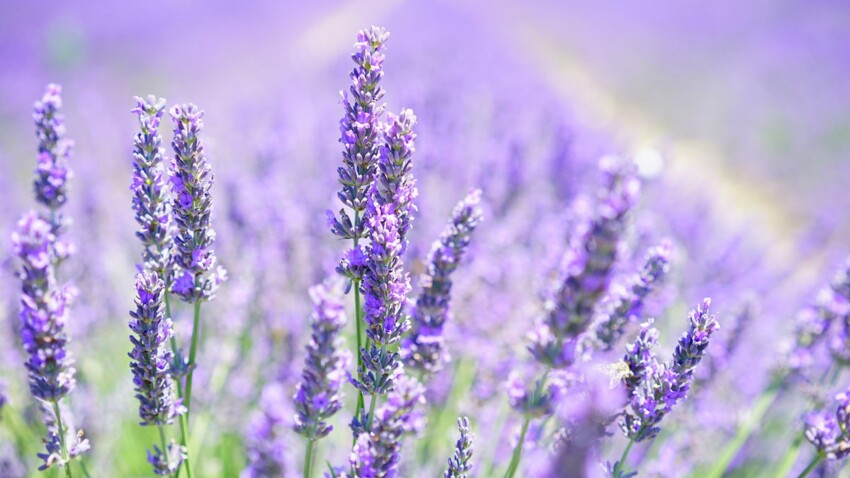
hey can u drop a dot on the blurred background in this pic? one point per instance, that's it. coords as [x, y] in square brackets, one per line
[737, 113]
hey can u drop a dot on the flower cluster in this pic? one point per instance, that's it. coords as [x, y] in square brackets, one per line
[150, 202]
[360, 129]
[423, 349]
[461, 463]
[385, 287]
[627, 301]
[151, 354]
[655, 388]
[376, 452]
[44, 311]
[268, 451]
[196, 276]
[831, 435]
[586, 267]
[827, 320]
[394, 183]
[319, 396]
[54, 150]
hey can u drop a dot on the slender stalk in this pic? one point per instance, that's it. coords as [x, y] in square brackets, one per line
[620, 466]
[62, 445]
[814, 463]
[165, 448]
[193, 350]
[371, 415]
[517, 454]
[791, 456]
[308, 459]
[184, 425]
[84, 468]
[748, 426]
[357, 318]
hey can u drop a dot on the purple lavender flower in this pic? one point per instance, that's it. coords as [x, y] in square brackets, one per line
[663, 385]
[385, 287]
[831, 435]
[318, 396]
[196, 276]
[54, 150]
[542, 399]
[423, 349]
[586, 267]
[151, 354]
[44, 312]
[832, 305]
[376, 454]
[166, 462]
[268, 451]
[461, 463]
[627, 302]
[360, 128]
[149, 187]
[77, 445]
[394, 183]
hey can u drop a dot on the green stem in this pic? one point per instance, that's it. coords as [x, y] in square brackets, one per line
[361, 403]
[815, 462]
[791, 456]
[84, 468]
[193, 350]
[747, 428]
[184, 425]
[162, 441]
[621, 465]
[517, 454]
[308, 460]
[371, 415]
[62, 445]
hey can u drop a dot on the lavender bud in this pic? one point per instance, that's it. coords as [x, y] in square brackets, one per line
[385, 285]
[196, 276]
[662, 386]
[380, 367]
[626, 304]
[377, 453]
[151, 354]
[538, 402]
[422, 350]
[44, 312]
[359, 128]
[394, 183]
[461, 463]
[77, 445]
[586, 267]
[54, 150]
[167, 462]
[831, 436]
[149, 187]
[318, 396]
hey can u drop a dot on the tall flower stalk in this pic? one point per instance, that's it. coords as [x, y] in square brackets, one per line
[151, 370]
[45, 302]
[319, 395]
[360, 129]
[196, 276]
[423, 349]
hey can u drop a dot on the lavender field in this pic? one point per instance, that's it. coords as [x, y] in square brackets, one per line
[424, 239]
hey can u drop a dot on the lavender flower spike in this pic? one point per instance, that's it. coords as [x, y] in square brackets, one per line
[54, 150]
[318, 396]
[376, 454]
[628, 301]
[149, 187]
[586, 267]
[44, 312]
[461, 463]
[268, 450]
[360, 128]
[394, 184]
[660, 387]
[831, 436]
[423, 349]
[196, 276]
[385, 287]
[151, 354]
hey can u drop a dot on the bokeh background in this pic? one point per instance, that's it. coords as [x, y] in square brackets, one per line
[737, 113]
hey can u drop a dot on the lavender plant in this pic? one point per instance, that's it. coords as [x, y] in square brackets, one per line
[460, 464]
[423, 350]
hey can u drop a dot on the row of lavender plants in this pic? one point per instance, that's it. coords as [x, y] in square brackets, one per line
[587, 384]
